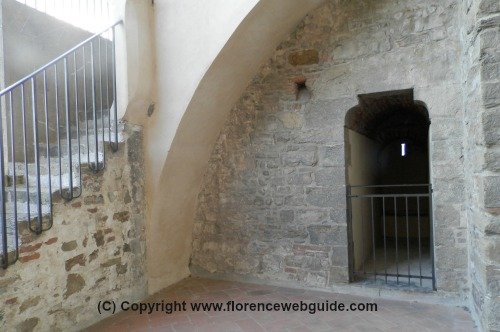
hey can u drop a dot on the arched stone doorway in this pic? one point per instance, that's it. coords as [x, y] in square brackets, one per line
[388, 189]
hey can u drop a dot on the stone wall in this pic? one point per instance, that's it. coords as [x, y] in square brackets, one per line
[94, 251]
[481, 35]
[272, 206]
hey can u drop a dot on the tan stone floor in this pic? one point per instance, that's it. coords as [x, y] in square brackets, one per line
[391, 315]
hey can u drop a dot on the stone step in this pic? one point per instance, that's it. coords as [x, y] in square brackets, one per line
[22, 194]
[85, 143]
[54, 167]
[25, 180]
[22, 216]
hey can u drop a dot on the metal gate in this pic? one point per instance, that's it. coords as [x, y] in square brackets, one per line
[391, 234]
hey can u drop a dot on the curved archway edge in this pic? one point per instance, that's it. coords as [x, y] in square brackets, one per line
[172, 197]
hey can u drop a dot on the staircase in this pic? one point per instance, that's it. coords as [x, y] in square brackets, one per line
[58, 120]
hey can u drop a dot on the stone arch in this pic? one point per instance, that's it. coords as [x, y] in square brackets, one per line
[178, 175]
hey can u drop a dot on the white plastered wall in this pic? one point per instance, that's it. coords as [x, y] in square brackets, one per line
[193, 59]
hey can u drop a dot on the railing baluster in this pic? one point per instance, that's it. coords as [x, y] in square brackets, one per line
[25, 143]
[108, 106]
[101, 103]
[77, 120]
[3, 212]
[58, 128]
[115, 97]
[94, 112]
[47, 138]
[14, 172]
[68, 129]
[85, 103]
[36, 152]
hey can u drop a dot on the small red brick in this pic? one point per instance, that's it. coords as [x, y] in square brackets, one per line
[51, 240]
[30, 248]
[25, 259]
[11, 300]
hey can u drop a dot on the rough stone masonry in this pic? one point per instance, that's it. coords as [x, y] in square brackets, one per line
[94, 251]
[272, 206]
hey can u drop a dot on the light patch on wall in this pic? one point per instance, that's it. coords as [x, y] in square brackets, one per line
[92, 16]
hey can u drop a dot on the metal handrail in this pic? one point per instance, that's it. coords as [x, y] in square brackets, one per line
[60, 57]
[55, 90]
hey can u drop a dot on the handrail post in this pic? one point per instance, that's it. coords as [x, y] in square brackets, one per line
[115, 104]
[37, 156]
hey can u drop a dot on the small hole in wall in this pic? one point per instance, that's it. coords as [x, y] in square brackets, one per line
[151, 109]
[303, 93]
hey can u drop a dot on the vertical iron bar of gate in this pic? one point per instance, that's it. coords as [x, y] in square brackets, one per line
[431, 235]
[37, 157]
[407, 239]
[362, 235]
[373, 242]
[419, 244]
[350, 245]
[385, 239]
[396, 233]
[3, 212]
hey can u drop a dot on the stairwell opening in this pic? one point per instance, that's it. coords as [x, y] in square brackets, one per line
[388, 191]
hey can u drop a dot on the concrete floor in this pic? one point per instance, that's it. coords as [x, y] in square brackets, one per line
[391, 315]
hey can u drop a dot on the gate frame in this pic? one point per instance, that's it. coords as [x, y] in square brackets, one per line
[350, 240]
